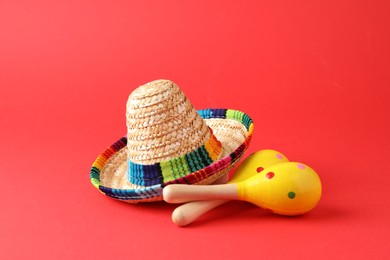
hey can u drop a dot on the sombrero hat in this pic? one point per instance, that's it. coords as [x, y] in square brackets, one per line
[168, 142]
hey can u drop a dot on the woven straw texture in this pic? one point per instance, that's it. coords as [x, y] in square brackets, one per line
[167, 142]
[162, 124]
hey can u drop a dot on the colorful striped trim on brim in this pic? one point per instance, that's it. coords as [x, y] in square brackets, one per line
[165, 171]
[155, 190]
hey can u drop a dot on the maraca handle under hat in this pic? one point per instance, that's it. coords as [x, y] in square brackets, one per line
[180, 193]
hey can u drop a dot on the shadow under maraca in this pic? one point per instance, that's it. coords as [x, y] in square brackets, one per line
[239, 212]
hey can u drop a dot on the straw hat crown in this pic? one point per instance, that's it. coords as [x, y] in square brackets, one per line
[166, 137]
[162, 124]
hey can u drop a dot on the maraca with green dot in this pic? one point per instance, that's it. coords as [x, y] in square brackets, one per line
[289, 188]
[252, 165]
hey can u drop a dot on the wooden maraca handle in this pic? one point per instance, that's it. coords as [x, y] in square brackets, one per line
[180, 193]
[255, 163]
[189, 212]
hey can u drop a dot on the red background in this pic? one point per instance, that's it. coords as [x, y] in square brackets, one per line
[313, 75]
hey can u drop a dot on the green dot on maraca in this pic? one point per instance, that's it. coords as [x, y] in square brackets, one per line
[291, 194]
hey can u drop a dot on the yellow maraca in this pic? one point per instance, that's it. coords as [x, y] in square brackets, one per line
[256, 163]
[252, 165]
[288, 188]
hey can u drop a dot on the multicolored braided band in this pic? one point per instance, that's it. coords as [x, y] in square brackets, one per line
[165, 171]
[163, 174]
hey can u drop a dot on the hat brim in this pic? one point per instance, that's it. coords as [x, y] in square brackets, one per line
[232, 128]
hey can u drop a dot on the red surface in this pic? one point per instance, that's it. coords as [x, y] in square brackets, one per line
[314, 76]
